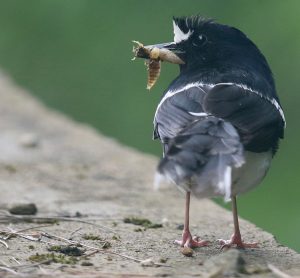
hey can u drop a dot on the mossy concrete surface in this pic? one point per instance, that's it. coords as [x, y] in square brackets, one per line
[68, 169]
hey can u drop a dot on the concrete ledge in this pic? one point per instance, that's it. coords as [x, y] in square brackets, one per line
[65, 167]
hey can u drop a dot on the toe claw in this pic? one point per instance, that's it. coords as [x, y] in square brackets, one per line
[188, 241]
[250, 245]
[195, 242]
[237, 243]
[179, 242]
[221, 241]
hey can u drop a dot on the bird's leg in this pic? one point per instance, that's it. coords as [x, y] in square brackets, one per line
[187, 239]
[236, 238]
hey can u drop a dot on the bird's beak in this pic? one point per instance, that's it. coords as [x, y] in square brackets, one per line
[163, 51]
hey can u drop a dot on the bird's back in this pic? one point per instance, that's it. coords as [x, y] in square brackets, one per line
[214, 104]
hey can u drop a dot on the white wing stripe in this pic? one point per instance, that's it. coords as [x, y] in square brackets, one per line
[201, 84]
[174, 92]
[198, 114]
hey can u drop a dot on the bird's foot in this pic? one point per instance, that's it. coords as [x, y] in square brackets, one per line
[236, 241]
[189, 241]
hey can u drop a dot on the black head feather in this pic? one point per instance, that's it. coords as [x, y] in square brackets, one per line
[187, 23]
[220, 50]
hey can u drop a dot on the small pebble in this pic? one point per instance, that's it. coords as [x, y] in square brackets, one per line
[187, 251]
[78, 214]
[29, 140]
[163, 260]
[106, 245]
[147, 262]
[87, 264]
[165, 221]
[180, 227]
[24, 209]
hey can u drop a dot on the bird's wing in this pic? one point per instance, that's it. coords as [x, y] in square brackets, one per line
[176, 110]
[258, 119]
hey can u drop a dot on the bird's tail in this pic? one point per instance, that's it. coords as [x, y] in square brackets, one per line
[201, 157]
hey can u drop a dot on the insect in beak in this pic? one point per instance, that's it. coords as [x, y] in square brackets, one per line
[154, 55]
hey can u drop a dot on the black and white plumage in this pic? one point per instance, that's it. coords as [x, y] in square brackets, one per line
[220, 120]
[258, 120]
[201, 156]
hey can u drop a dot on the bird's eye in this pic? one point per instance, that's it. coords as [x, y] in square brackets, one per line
[200, 40]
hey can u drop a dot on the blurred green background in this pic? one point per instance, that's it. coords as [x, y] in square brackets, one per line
[75, 55]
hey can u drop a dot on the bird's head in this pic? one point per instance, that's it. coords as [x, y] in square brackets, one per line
[203, 43]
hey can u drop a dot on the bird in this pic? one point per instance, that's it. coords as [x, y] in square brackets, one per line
[220, 120]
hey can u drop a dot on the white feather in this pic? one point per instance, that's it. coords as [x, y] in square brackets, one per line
[227, 183]
[171, 93]
[201, 114]
[180, 36]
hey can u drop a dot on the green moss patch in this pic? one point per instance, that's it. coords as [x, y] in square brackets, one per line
[146, 223]
[73, 251]
[91, 237]
[52, 257]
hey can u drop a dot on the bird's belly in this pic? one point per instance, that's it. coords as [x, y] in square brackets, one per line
[251, 173]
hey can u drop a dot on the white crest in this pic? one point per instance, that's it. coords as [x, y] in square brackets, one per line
[179, 35]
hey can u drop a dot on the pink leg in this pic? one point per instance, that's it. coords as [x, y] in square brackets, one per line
[187, 240]
[236, 238]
